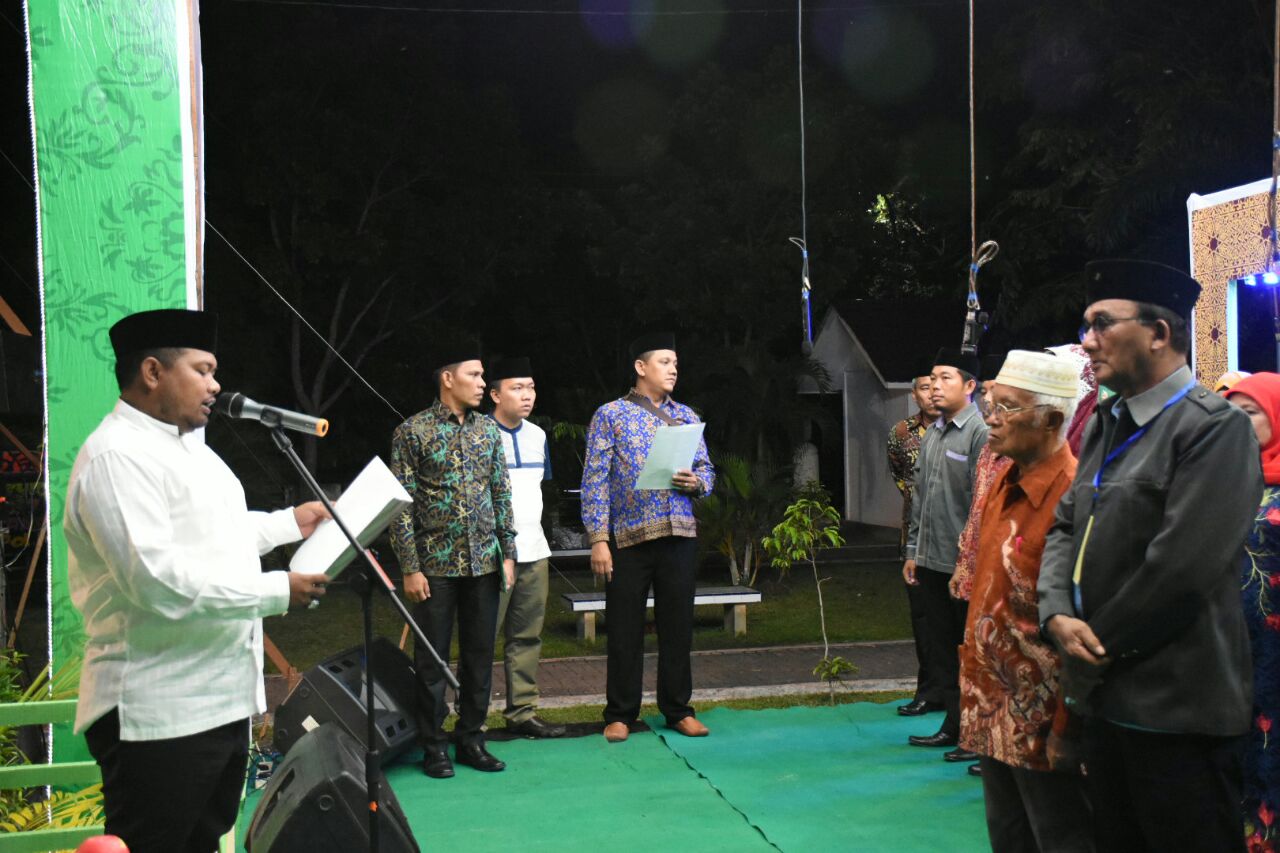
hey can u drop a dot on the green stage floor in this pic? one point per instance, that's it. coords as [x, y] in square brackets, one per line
[797, 779]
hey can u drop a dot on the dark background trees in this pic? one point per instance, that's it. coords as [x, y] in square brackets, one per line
[553, 183]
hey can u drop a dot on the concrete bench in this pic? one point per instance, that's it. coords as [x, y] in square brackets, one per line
[734, 599]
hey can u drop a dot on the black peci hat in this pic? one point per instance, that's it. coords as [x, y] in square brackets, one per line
[1141, 281]
[951, 357]
[650, 342]
[165, 327]
[509, 368]
[447, 355]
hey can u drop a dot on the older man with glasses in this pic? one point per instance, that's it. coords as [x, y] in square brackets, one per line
[1139, 587]
[1009, 694]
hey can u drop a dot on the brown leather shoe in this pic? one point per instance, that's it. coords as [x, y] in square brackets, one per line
[616, 732]
[690, 727]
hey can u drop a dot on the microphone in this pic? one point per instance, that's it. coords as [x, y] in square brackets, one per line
[235, 405]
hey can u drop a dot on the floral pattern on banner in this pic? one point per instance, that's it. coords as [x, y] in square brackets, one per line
[1260, 592]
[108, 116]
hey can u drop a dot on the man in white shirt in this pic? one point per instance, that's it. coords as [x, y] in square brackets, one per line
[523, 607]
[163, 563]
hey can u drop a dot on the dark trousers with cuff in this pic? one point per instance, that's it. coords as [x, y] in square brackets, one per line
[669, 566]
[945, 616]
[473, 601]
[177, 795]
[1158, 791]
[1034, 811]
[927, 687]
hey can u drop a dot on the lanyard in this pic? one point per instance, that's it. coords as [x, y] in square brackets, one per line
[1097, 486]
[1133, 439]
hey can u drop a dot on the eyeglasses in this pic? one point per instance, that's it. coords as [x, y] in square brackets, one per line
[1001, 411]
[1101, 323]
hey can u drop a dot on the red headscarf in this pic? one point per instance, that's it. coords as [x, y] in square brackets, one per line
[1264, 389]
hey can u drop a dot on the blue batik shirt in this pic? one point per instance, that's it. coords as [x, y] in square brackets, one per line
[618, 441]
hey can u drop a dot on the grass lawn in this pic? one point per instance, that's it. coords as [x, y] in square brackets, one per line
[864, 602]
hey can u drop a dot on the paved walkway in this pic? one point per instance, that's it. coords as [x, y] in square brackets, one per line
[732, 673]
[719, 674]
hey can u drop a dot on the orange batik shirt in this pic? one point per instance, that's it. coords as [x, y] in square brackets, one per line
[1008, 675]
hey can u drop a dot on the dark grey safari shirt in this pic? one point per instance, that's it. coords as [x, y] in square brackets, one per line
[1160, 572]
[944, 475]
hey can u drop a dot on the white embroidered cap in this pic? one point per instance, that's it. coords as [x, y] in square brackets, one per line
[1040, 373]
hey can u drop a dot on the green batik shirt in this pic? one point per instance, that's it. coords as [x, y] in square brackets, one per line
[460, 523]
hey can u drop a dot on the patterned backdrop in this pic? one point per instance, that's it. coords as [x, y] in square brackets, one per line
[111, 84]
[1227, 240]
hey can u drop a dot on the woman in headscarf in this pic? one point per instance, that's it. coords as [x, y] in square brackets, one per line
[1259, 397]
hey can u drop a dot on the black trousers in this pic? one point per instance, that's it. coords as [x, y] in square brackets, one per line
[177, 795]
[927, 687]
[1033, 811]
[945, 616]
[669, 566]
[474, 602]
[1158, 791]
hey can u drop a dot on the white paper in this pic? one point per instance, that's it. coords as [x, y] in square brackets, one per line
[369, 504]
[673, 449]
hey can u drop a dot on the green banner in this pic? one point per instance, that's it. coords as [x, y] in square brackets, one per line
[117, 136]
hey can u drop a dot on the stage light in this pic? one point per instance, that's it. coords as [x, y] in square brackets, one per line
[1253, 279]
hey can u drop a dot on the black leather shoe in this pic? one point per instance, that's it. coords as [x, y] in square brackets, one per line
[475, 755]
[975, 770]
[535, 727]
[918, 707]
[959, 754]
[436, 764]
[935, 739]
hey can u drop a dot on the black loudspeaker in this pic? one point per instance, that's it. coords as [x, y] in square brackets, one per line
[315, 801]
[333, 691]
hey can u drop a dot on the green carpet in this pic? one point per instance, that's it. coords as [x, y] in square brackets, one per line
[797, 779]
[634, 796]
[839, 778]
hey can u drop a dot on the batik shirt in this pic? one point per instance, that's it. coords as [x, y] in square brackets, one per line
[990, 466]
[1009, 675]
[904, 449]
[460, 523]
[618, 442]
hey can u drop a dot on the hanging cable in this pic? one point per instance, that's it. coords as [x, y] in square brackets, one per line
[806, 307]
[304, 320]
[975, 319]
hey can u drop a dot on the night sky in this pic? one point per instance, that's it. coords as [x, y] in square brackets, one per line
[572, 175]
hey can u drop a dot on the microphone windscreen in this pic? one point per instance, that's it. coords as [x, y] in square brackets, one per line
[229, 403]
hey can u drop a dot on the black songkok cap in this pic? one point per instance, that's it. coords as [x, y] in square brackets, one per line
[651, 342]
[949, 357]
[446, 355]
[509, 368]
[1141, 281]
[166, 327]
[990, 365]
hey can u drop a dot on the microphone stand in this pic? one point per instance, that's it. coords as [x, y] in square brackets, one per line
[373, 576]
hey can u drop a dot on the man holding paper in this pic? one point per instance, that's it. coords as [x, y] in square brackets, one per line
[163, 562]
[642, 537]
[456, 546]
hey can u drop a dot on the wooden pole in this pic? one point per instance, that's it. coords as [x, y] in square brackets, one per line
[26, 587]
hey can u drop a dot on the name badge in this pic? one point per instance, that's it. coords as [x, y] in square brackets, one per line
[959, 457]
